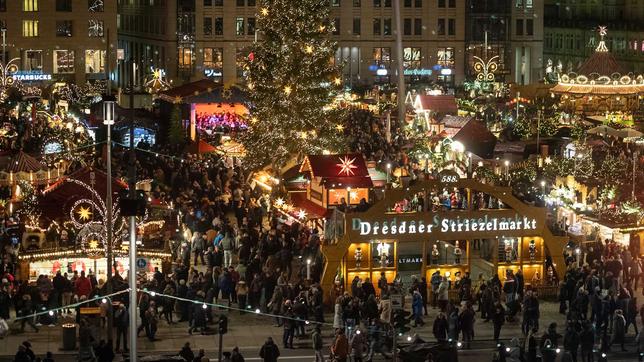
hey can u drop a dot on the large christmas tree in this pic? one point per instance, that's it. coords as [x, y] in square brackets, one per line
[291, 78]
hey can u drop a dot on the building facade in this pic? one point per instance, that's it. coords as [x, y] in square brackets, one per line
[571, 36]
[61, 40]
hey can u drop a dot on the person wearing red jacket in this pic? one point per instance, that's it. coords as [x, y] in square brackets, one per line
[83, 286]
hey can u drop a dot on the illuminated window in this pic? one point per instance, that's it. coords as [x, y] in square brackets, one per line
[95, 28]
[3, 5]
[213, 58]
[382, 56]
[240, 63]
[32, 60]
[411, 58]
[94, 61]
[219, 26]
[185, 58]
[446, 57]
[207, 26]
[387, 26]
[29, 28]
[239, 26]
[251, 26]
[30, 5]
[63, 61]
[377, 25]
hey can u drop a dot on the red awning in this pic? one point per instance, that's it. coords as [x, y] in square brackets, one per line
[313, 210]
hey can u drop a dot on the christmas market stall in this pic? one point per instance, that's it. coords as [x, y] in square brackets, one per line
[450, 225]
[71, 233]
[206, 108]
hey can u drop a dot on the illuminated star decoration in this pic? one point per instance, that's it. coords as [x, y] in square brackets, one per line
[93, 244]
[301, 214]
[84, 213]
[157, 82]
[346, 166]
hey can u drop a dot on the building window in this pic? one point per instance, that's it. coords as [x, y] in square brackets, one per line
[528, 4]
[529, 27]
[387, 3]
[336, 26]
[418, 26]
[94, 61]
[377, 25]
[250, 2]
[64, 28]
[63, 61]
[219, 26]
[407, 3]
[382, 56]
[406, 26]
[32, 60]
[185, 59]
[452, 3]
[95, 6]
[335, 3]
[440, 28]
[418, 3]
[356, 3]
[519, 26]
[239, 26]
[29, 28]
[240, 2]
[219, 2]
[441, 3]
[95, 28]
[446, 57]
[213, 58]
[387, 26]
[519, 3]
[356, 26]
[251, 26]
[207, 3]
[207, 26]
[30, 5]
[3, 5]
[377, 3]
[411, 58]
[63, 5]
[451, 27]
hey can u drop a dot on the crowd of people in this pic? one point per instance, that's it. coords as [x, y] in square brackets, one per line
[220, 122]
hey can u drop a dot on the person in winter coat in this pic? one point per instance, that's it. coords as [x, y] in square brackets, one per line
[340, 347]
[466, 321]
[82, 285]
[358, 345]
[385, 309]
[587, 341]
[187, 353]
[337, 313]
[498, 318]
[443, 294]
[316, 338]
[452, 324]
[435, 281]
[619, 329]
[551, 337]
[531, 343]
[571, 342]
[242, 292]
[269, 351]
[417, 308]
[197, 247]
[440, 327]
[121, 323]
[236, 356]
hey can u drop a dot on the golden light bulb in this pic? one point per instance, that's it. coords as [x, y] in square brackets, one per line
[264, 11]
[322, 28]
[309, 49]
[340, 127]
[337, 81]
[254, 120]
[287, 89]
[251, 86]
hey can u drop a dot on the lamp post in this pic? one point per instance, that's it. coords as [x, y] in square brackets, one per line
[388, 171]
[308, 269]
[108, 120]
[132, 249]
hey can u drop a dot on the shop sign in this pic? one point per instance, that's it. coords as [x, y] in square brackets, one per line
[30, 75]
[418, 72]
[141, 263]
[211, 73]
[410, 262]
[443, 225]
[448, 177]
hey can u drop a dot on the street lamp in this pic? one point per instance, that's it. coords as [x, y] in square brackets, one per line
[388, 171]
[308, 269]
[108, 120]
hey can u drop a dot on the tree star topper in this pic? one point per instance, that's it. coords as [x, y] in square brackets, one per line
[346, 166]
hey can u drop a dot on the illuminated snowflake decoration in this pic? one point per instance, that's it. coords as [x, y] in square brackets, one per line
[301, 214]
[6, 77]
[96, 6]
[95, 28]
[89, 215]
[347, 166]
[156, 82]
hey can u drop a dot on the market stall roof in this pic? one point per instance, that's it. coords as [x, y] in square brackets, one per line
[61, 194]
[204, 91]
[21, 162]
[444, 104]
[313, 210]
[342, 170]
[200, 147]
[477, 138]
[600, 75]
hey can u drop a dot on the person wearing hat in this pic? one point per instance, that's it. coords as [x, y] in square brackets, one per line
[236, 356]
[318, 344]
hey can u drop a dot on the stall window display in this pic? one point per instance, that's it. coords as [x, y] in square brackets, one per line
[532, 250]
[509, 250]
[435, 254]
[383, 255]
[457, 253]
[358, 257]
[94, 61]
